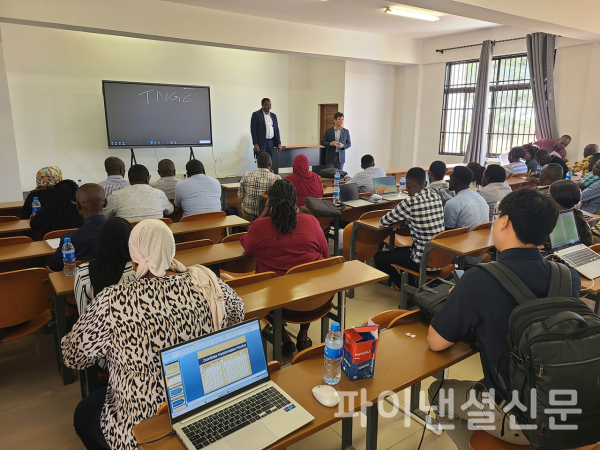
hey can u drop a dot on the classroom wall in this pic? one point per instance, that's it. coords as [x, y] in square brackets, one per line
[54, 82]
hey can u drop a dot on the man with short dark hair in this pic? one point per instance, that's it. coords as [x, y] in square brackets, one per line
[437, 172]
[364, 179]
[494, 187]
[583, 165]
[516, 165]
[590, 197]
[265, 129]
[198, 193]
[592, 175]
[336, 140]
[140, 200]
[254, 184]
[550, 173]
[115, 169]
[167, 180]
[554, 147]
[543, 158]
[423, 213]
[481, 303]
[89, 200]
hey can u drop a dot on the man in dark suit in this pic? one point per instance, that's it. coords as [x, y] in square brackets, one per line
[336, 140]
[265, 129]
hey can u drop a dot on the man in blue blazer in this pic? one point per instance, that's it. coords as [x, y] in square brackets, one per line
[265, 129]
[336, 140]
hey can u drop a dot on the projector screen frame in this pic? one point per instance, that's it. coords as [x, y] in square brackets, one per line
[161, 145]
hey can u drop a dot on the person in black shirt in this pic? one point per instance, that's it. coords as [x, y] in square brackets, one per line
[543, 158]
[480, 302]
[61, 212]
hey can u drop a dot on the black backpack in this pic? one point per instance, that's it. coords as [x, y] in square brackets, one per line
[554, 346]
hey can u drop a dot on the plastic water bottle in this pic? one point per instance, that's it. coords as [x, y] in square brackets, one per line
[334, 349]
[336, 188]
[402, 185]
[35, 205]
[569, 175]
[68, 251]
[79, 183]
[539, 169]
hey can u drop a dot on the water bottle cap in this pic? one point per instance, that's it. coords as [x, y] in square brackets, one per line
[35, 199]
[335, 326]
[67, 239]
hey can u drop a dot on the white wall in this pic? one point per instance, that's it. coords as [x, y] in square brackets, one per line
[11, 182]
[369, 112]
[54, 79]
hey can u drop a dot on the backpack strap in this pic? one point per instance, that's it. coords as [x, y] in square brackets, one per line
[560, 281]
[510, 280]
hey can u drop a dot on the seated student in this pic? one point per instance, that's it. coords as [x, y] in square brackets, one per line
[128, 324]
[516, 165]
[364, 179]
[282, 238]
[530, 151]
[543, 158]
[138, 201]
[89, 202]
[549, 174]
[307, 183]
[167, 180]
[45, 180]
[254, 184]
[59, 213]
[494, 187]
[437, 172]
[467, 208]
[567, 195]
[198, 193]
[115, 169]
[479, 301]
[591, 174]
[477, 170]
[583, 166]
[112, 265]
[423, 213]
[590, 197]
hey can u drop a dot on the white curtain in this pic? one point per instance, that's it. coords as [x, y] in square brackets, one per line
[477, 145]
[540, 59]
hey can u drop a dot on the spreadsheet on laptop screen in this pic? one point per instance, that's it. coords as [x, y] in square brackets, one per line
[206, 369]
[565, 231]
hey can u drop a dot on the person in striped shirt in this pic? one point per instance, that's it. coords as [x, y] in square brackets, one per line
[515, 157]
[115, 169]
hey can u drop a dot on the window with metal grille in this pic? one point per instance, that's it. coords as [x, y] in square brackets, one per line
[510, 105]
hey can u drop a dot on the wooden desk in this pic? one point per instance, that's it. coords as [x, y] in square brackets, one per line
[229, 196]
[391, 374]
[399, 172]
[12, 209]
[194, 226]
[15, 227]
[29, 250]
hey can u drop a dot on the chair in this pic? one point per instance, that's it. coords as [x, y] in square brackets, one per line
[240, 267]
[384, 318]
[162, 219]
[484, 441]
[193, 244]
[8, 219]
[215, 235]
[486, 256]
[408, 318]
[162, 409]
[273, 366]
[437, 258]
[14, 240]
[482, 226]
[25, 301]
[309, 353]
[57, 233]
[367, 241]
[250, 279]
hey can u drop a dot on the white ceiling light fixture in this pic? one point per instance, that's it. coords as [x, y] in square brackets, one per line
[411, 14]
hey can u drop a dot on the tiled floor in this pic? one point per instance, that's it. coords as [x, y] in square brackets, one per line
[36, 410]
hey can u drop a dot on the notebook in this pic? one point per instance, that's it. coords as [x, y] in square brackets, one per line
[220, 394]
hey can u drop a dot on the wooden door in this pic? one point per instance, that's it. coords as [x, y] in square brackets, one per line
[326, 112]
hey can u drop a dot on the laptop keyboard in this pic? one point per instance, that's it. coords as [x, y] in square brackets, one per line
[229, 420]
[581, 257]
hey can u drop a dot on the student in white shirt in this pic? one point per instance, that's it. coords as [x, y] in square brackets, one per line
[167, 180]
[436, 174]
[494, 187]
[364, 179]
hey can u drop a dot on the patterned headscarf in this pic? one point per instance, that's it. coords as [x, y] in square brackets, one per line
[47, 177]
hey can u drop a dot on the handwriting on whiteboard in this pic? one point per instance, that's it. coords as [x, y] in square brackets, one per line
[172, 97]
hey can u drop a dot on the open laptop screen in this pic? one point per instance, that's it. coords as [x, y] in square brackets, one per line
[204, 370]
[385, 185]
[565, 232]
[349, 192]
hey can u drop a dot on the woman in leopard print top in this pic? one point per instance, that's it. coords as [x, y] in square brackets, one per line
[128, 324]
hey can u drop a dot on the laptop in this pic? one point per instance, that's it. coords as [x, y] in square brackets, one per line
[221, 396]
[567, 245]
[386, 187]
[349, 196]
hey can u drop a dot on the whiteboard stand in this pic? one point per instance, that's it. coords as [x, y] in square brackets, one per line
[192, 156]
[133, 160]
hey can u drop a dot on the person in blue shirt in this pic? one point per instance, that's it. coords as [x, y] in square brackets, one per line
[481, 303]
[516, 165]
[89, 201]
[199, 193]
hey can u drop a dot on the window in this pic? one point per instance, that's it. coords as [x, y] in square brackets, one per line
[510, 105]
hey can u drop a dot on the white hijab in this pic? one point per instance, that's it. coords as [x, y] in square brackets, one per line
[152, 248]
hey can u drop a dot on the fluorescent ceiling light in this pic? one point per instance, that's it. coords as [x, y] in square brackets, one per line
[411, 14]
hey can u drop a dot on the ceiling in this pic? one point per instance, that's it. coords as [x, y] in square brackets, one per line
[354, 15]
